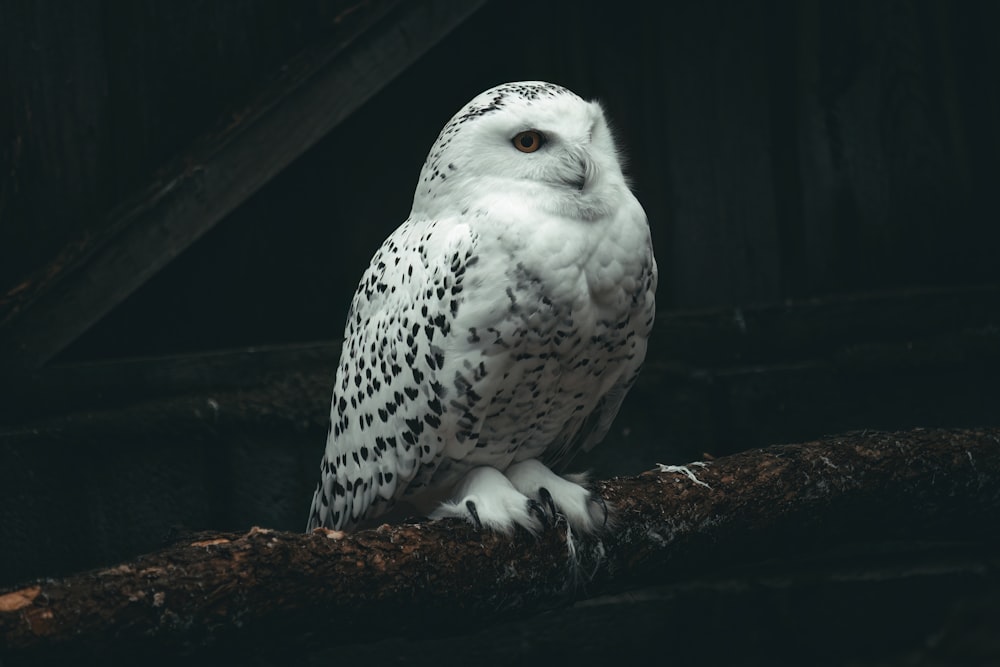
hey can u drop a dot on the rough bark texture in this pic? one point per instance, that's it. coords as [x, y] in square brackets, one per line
[268, 586]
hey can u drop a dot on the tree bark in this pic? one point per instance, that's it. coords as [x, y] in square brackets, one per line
[266, 585]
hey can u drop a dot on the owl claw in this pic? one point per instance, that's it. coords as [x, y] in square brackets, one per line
[471, 506]
[564, 498]
[536, 508]
[487, 500]
[546, 498]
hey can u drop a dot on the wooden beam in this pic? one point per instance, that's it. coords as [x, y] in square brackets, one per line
[376, 41]
[114, 384]
[839, 338]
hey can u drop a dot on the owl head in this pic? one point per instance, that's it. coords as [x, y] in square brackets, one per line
[530, 140]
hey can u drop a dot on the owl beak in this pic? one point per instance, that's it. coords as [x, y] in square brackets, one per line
[589, 173]
[579, 171]
[579, 182]
[585, 170]
[580, 176]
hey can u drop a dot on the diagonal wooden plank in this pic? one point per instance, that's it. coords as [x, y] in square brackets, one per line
[322, 87]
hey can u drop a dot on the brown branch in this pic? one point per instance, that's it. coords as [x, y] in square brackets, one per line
[766, 503]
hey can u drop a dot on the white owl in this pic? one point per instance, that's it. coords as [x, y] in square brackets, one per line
[498, 329]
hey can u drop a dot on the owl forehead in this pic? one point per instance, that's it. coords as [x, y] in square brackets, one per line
[521, 105]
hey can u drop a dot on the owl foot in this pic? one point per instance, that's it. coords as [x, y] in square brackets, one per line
[487, 500]
[538, 510]
[547, 501]
[561, 497]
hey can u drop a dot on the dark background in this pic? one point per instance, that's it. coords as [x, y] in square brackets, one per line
[780, 149]
[820, 178]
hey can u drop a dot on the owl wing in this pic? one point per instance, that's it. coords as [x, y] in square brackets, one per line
[394, 403]
[587, 431]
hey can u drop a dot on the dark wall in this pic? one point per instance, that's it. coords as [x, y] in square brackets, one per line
[96, 95]
[781, 149]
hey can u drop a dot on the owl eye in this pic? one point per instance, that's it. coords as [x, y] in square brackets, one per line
[528, 141]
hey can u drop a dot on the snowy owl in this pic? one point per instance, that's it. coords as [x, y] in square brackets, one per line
[498, 329]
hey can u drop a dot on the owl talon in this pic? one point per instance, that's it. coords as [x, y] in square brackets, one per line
[471, 506]
[546, 498]
[565, 499]
[487, 500]
[536, 508]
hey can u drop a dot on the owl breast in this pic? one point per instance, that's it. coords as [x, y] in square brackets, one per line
[570, 304]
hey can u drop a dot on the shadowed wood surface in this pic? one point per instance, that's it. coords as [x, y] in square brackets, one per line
[264, 585]
[317, 90]
[930, 328]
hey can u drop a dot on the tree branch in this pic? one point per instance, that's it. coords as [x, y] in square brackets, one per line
[766, 503]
